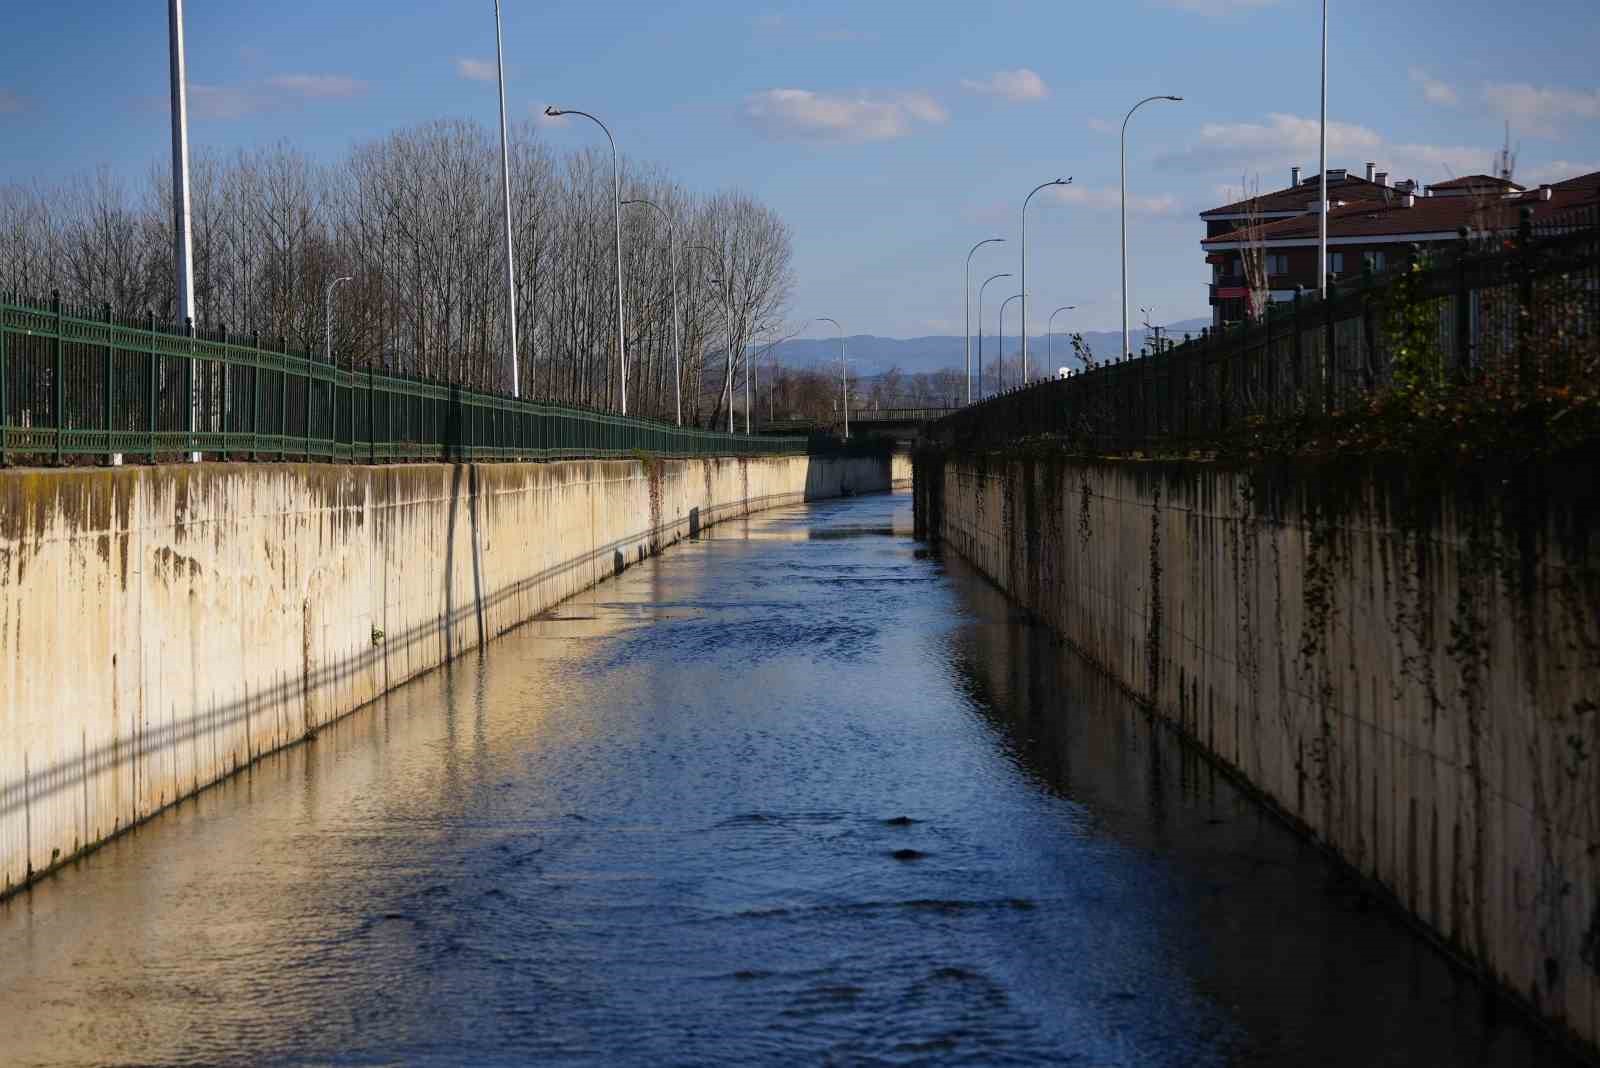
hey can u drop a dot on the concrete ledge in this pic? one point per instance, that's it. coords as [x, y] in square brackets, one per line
[162, 627]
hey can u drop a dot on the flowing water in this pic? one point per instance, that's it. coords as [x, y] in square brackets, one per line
[794, 792]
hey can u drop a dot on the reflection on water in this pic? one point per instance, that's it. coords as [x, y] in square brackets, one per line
[792, 792]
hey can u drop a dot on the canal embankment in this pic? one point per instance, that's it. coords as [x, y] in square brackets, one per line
[163, 626]
[1406, 668]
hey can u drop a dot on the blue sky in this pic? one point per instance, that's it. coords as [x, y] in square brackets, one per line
[890, 135]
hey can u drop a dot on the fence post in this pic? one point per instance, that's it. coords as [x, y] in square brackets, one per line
[111, 381]
[227, 369]
[5, 411]
[310, 360]
[1297, 350]
[283, 400]
[150, 421]
[255, 395]
[372, 426]
[61, 385]
[1525, 303]
[1369, 333]
[1325, 307]
[190, 399]
[1463, 308]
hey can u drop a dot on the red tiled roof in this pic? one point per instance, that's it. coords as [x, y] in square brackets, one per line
[1427, 215]
[1296, 197]
[1582, 181]
[1473, 182]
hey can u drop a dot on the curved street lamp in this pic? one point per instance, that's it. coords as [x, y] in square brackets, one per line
[966, 306]
[844, 373]
[771, 351]
[1050, 337]
[726, 277]
[1024, 279]
[1125, 119]
[616, 203]
[677, 343]
[1000, 361]
[991, 278]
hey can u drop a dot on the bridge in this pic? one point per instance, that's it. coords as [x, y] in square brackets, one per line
[902, 424]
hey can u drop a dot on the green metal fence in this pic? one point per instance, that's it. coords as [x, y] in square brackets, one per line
[79, 382]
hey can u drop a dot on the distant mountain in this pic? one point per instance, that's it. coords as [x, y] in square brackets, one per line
[871, 355]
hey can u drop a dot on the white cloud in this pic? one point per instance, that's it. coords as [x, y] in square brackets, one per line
[1216, 8]
[807, 115]
[1270, 147]
[1017, 85]
[222, 101]
[11, 103]
[1102, 126]
[318, 86]
[1280, 140]
[476, 70]
[1434, 91]
[239, 101]
[1539, 110]
[845, 36]
[1434, 163]
[1109, 198]
[1556, 171]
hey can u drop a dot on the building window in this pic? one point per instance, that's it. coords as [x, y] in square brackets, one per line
[1377, 261]
[1336, 263]
[1277, 263]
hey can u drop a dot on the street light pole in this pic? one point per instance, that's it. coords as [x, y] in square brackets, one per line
[772, 351]
[616, 203]
[1322, 167]
[1125, 119]
[1050, 337]
[183, 243]
[1024, 280]
[505, 184]
[991, 278]
[727, 277]
[677, 345]
[327, 318]
[1001, 359]
[327, 356]
[966, 306]
[844, 373]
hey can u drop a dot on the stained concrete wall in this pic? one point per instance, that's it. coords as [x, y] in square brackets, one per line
[162, 627]
[1408, 668]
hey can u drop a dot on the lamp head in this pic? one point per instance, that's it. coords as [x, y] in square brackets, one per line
[1062, 181]
[552, 111]
[1174, 98]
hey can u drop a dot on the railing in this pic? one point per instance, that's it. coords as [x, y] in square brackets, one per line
[898, 415]
[1525, 306]
[76, 383]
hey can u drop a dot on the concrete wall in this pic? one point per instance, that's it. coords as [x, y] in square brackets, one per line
[162, 627]
[900, 469]
[1407, 666]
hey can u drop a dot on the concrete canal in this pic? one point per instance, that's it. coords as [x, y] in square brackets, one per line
[794, 791]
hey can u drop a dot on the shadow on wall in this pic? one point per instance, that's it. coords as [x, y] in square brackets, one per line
[240, 729]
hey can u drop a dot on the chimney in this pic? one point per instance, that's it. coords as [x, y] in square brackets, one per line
[1370, 166]
[1294, 176]
[1382, 177]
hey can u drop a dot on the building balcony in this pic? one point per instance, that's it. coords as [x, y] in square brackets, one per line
[1229, 287]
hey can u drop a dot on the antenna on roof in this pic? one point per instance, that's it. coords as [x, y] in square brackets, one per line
[1507, 161]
